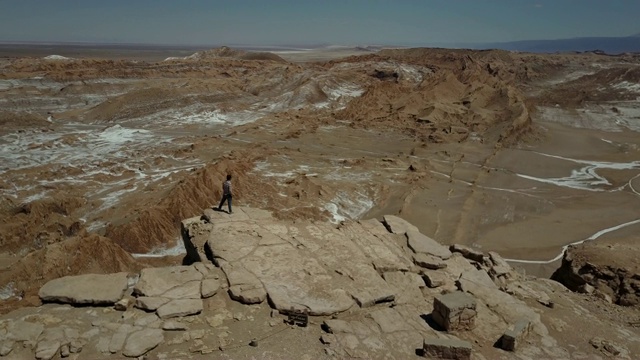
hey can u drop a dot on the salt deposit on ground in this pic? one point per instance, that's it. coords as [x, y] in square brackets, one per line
[57, 57]
[627, 117]
[176, 250]
[7, 291]
[585, 178]
[627, 86]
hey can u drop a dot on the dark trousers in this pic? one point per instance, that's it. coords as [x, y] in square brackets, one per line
[225, 197]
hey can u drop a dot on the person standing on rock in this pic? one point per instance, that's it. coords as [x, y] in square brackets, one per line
[226, 194]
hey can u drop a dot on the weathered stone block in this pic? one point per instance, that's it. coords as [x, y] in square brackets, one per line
[467, 252]
[122, 304]
[455, 311]
[421, 243]
[96, 289]
[447, 349]
[434, 279]
[337, 327]
[209, 287]
[429, 261]
[397, 225]
[512, 337]
[500, 267]
[150, 303]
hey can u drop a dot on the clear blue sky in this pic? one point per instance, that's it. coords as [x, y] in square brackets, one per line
[346, 22]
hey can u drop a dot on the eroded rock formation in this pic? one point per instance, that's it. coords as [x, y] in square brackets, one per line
[366, 286]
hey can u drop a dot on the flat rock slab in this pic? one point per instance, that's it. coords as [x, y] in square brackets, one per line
[398, 225]
[140, 342]
[169, 280]
[406, 285]
[150, 303]
[390, 321]
[311, 267]
[96, 289]
[24, 331]
[429, 261]
[180, 307]
[467, 252]
[509, 308]
[47, 349]
[244, 286]
[171, 325]
[421, 243]
[434, 279]
[214, 216]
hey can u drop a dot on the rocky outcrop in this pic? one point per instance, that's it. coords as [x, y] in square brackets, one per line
[307, 267]
[590, 269]
[169, 292]
[367, 284]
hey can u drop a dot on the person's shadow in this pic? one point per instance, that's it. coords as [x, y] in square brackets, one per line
[219, 210]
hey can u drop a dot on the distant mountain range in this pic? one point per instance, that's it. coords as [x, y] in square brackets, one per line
[610, 45]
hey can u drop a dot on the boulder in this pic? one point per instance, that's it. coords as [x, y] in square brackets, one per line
[397, 225]
[96, 289]
[429, 261]
[421, 243]
[434, 279]
[122, 304]
[455, 311]
[512, 337]
[64, 351]
[467, 252]
[140, 342]
[209, 287]
[500, 267]
[473, 280]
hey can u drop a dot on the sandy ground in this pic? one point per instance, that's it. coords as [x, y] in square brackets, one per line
[472, 147]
